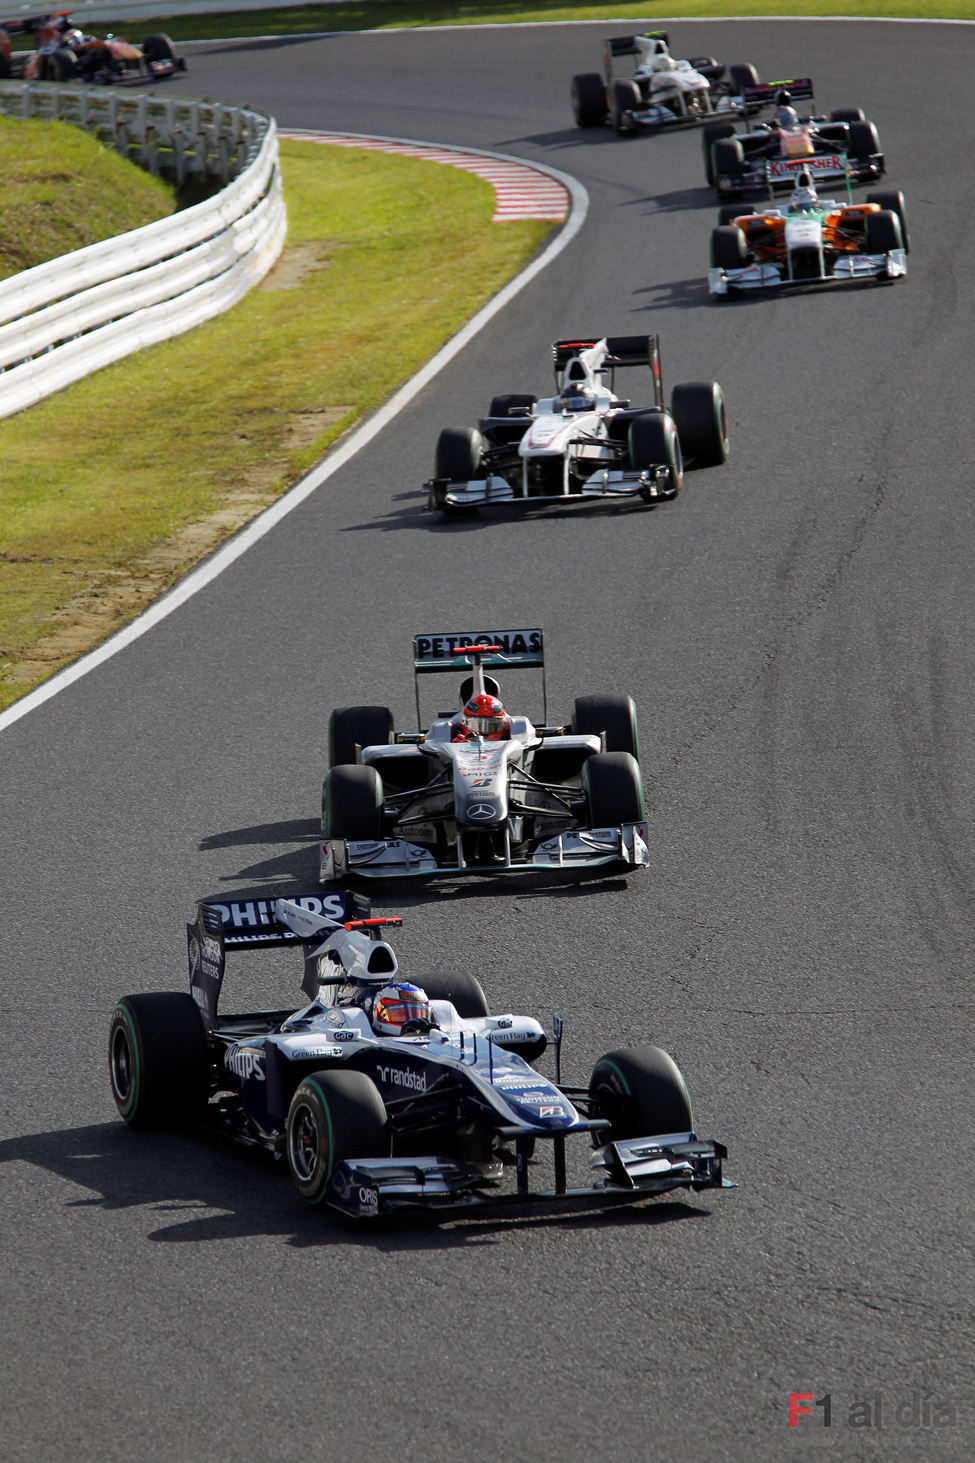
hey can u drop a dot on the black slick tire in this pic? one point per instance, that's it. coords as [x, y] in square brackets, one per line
[614, 715]
[158, 1060]
[352, 804]
[653, 442]
[642, 1092]
[698, 408]
[728, 247]
[882, 233]
[350, 727]
[589, 100]
[614, 792]
[458, 455]
[462, 988]
[893, 201]
[334, 1115]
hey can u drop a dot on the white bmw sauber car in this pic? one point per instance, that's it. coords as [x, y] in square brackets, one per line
[662, 91]
[584, 442]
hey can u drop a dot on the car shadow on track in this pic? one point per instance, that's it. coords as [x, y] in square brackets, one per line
[565, 137]
[296, 872]
[420, 519]
[197, 1188]
[297, 865]
[684, 200]
[675, 294]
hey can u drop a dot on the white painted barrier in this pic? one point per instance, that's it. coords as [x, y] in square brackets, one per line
[72, 315]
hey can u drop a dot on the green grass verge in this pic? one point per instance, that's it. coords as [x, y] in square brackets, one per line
[384, 14]
[102, 485]
[61, 189]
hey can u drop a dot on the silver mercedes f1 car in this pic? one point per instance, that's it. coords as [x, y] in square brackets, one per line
[386, 1095]
[481, 791]
[585, 442]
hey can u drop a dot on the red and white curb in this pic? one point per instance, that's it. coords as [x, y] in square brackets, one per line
[520, 191]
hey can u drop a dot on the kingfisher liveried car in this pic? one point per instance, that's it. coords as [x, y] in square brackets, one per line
[833, 148]
[440, 1110]
[454, 800]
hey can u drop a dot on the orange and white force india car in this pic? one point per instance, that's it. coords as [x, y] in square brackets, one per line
[810, 240]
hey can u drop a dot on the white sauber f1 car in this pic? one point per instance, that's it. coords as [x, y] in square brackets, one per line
[385, 1095]
[662, 91]
[481, 791]
[811, 240]
[585, 442]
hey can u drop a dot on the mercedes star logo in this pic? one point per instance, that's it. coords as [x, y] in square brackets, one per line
[479, 812]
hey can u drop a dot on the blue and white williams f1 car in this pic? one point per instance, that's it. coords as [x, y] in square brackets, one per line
[383, 1094]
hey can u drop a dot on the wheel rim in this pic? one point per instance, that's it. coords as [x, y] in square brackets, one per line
[305, 1144]
[122, 1067]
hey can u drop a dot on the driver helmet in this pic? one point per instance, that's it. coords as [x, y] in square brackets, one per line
[73, 39]
[805, 197]
[787, 118]
[577, 396]
[400, 1009]
[485, 716]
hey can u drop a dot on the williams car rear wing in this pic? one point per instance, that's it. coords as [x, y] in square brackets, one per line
[254, 924]
[475, 649]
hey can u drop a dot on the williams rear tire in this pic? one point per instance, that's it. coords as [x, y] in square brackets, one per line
[158, 1060]
[463, 989]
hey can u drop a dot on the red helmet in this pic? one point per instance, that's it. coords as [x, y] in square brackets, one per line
[486, 717]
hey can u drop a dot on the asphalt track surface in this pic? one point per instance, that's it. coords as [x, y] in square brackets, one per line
[797, 631]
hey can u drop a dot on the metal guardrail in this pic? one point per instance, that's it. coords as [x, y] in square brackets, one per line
[72, 315]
